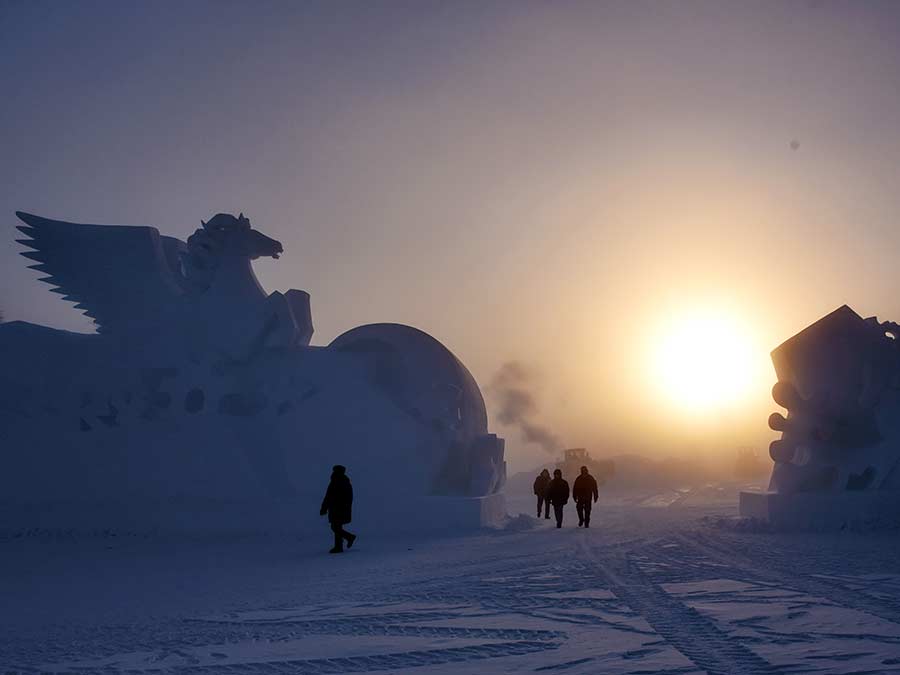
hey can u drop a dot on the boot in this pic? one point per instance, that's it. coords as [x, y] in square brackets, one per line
[350, 539]
[336, 550]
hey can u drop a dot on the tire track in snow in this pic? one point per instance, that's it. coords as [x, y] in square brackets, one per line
[202, 633]
[375, 663]
[379, 626]
[775, 570]
[692, 634]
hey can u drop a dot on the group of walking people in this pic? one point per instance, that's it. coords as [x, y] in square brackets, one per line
[555, 492]
[338, 501]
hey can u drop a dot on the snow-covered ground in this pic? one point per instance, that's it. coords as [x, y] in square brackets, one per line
[659, 584]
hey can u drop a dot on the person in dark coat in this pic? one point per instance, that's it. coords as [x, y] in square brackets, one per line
[558, 495]
[540, 489]
[338, 505]
[583, 490]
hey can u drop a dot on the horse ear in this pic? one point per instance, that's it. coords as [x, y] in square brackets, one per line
[202, 224]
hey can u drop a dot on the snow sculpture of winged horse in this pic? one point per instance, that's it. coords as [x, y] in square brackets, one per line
[200, 388]
[158, 292]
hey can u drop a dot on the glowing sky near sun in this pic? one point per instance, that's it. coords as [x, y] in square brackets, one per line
[705, 361]
[581, 187]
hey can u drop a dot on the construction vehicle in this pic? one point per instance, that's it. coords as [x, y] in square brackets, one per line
[575, 458]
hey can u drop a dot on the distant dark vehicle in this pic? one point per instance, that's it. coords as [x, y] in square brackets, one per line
[575, 458]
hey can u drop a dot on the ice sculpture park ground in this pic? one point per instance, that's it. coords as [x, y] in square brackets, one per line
[656, 586]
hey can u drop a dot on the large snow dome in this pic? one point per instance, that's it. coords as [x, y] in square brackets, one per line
[200, 402]
[419, 374]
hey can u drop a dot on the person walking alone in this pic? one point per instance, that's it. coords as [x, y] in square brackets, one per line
[540, 489]
[558, 495]
[584, 488]
[338, 505]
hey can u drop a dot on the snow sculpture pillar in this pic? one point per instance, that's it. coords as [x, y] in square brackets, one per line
[488, 469]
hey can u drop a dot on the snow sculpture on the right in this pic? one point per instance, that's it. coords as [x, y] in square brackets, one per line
[838, 459]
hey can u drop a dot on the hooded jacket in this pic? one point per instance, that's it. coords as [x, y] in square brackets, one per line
[558, 492]
[338, 502]
[541, 483]
[584, 488]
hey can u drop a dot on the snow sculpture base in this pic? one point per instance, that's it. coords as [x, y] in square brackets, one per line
[823, 511]
[214, 517]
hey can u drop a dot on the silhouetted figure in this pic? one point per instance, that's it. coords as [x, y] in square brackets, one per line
[583, 490]
[558, 495]
[338, 505]
[540, 489]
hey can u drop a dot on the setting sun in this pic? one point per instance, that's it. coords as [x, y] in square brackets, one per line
[704, 361]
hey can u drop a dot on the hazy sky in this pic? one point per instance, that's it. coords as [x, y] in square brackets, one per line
[548, 183]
